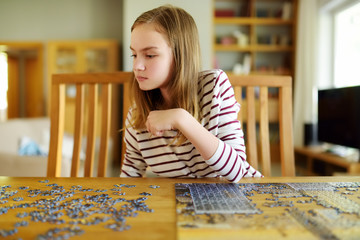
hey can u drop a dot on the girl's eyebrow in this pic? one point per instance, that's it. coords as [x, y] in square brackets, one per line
[145, 49]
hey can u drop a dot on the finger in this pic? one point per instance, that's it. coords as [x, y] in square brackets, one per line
[147, 125]
[159, 133]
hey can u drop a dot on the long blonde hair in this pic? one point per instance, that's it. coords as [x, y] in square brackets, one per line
[182, 35]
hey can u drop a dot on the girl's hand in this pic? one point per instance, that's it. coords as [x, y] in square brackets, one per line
[159, 121]
[179, 119]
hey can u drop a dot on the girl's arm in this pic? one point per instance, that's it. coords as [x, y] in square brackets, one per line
[204, 141]
[134, 164]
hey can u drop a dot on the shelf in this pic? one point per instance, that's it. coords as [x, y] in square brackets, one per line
[252, 21]
[263, 30]
[253, 48]
[274, 73]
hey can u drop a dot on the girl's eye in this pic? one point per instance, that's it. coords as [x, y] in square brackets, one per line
[133, 55]
[150, 56]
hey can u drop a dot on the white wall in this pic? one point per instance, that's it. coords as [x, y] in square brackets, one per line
[41, 20]
[44, 20]
[201, 10]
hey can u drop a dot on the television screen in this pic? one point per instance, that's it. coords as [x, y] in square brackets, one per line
[339, 116]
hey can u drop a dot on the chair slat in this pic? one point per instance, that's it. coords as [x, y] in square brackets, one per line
[78, 131]
[91, 130]
[126, 105]
[238, 96]
[105, 128]
[57, 129]
[264, 132]
[251, 146]
[286, 133]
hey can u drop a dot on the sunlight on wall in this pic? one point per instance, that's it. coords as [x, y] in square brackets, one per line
[3, 85]
[347, 47]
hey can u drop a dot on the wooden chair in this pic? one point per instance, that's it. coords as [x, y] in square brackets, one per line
[88, 88]
[259, 101]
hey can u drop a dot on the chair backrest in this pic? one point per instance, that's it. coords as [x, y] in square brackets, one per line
[259, 109]
[89, 86]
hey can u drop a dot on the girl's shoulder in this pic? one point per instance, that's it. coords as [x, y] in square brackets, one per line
[216, 76]
[212, 73]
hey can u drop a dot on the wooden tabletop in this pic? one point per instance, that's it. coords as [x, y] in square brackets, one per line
[158, 221]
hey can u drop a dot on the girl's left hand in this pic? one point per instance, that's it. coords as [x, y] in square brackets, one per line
[162, 120]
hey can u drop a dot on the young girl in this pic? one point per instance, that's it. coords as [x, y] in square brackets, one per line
[183, 122]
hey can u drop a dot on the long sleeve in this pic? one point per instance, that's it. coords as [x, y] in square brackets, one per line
[230, 158]
[134, 164]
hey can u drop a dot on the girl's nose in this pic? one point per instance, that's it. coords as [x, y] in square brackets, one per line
[138, 65]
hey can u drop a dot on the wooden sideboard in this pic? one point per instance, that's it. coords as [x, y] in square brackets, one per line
[307, 157]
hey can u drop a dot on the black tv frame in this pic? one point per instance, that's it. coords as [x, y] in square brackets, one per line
[339, 116]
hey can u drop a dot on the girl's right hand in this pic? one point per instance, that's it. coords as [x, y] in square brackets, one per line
[163, 120]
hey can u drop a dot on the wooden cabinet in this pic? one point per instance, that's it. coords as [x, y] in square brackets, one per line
[80, 57]
[255, 36]
[314, 160]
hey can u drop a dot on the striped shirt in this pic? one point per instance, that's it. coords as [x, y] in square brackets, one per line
[219, 110]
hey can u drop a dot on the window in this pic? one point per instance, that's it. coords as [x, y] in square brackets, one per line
[347, 46]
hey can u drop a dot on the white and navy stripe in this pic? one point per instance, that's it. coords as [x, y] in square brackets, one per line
[219, 110]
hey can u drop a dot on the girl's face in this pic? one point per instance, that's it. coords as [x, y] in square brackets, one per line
[153, 58]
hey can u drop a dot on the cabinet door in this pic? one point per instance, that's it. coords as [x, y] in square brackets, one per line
[81, 56]
[99, 56]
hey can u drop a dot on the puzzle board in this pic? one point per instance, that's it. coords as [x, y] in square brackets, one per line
[271, 210]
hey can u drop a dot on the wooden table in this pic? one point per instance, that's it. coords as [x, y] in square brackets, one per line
[159, 224]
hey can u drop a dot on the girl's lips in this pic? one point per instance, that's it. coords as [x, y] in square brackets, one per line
[140, 78]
